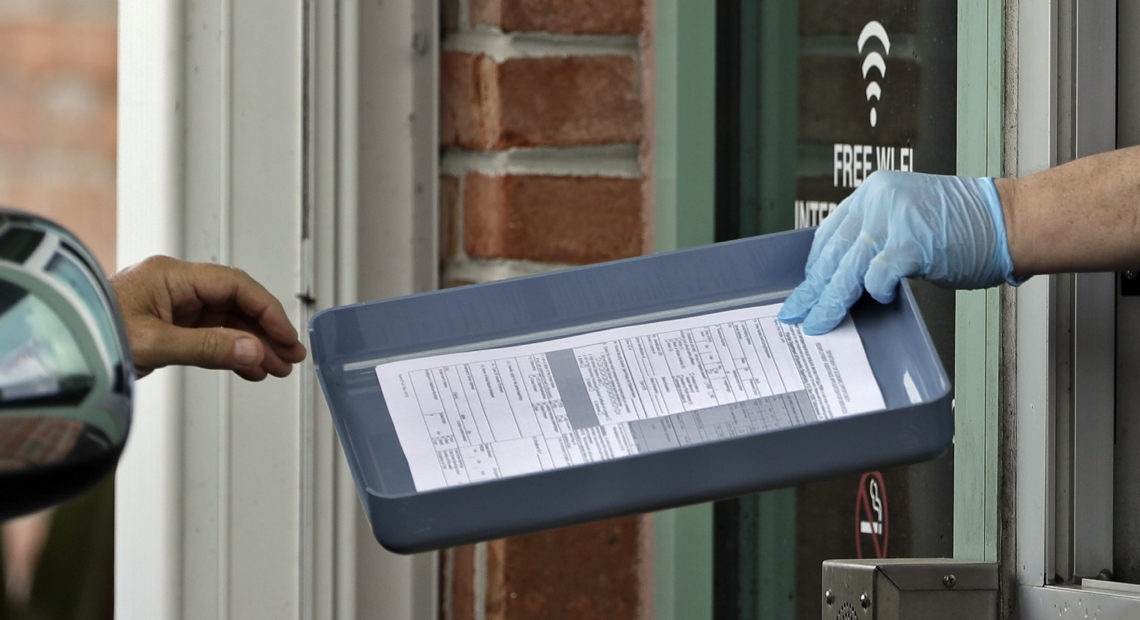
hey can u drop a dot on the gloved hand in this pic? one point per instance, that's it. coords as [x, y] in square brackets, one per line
[948, 230]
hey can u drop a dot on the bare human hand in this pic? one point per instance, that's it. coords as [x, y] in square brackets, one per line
[206, 315]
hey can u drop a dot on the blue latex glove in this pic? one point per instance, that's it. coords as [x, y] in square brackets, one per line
[948, 230]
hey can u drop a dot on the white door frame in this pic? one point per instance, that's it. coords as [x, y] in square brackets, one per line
[1064, 386]
[295, 140]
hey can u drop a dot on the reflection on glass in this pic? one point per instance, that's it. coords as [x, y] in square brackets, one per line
[63, 266]
[39, 360]
[41, 365]
[26, 441]
[65, 376]
[813, 97]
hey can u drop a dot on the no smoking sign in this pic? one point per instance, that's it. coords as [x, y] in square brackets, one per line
[872, 525]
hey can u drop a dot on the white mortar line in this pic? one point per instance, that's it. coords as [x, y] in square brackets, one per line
[488, 270]
[502, 46]
[617, 160]
[459, 223]
[464, 18]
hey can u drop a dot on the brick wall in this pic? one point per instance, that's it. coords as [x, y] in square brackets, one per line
[543, 122]
[57, 157]
[57, 114]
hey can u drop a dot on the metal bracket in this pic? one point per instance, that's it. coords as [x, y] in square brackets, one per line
[892, 589]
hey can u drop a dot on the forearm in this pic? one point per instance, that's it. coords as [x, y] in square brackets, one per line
[1082, 216]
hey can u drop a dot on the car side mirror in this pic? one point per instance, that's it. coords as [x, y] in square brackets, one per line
[66, 373]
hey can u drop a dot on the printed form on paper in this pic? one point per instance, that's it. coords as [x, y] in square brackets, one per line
[480, 415]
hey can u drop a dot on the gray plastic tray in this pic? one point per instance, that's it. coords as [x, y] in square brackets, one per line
[348, 341]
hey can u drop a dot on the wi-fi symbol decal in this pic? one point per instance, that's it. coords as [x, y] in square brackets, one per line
[874, 60]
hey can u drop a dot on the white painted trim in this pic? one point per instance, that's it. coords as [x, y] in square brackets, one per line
[147, 507]
[1034, 499]
[396, 161]
[479, 581]
[1036, 150]
[1073, 603]
[1094, 308]
[234, 500]
[464, 14]
[1093, 423]
[1066, 108]
[345, 249]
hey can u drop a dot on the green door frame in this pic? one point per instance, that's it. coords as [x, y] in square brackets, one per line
[683, 212]
[755, 535]
[684, 191]
[977, 386]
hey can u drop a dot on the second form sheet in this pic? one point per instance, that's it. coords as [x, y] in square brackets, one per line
[480, 415]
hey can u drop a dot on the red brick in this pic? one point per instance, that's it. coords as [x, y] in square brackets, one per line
[552, 218]
[587, 571]
[45, 47]
[30, 47]
[467, 86]
[559, 16]
[448, 217]
[18, 116]
[57, 116]
[455, 282]
[572, 101]
[87, 211]
[58, 85]
[92, 49]
[75, 115]
[107, 129]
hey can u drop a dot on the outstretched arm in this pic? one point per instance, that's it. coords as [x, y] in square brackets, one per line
[205, 315]
[1081, 216]
[963, 232]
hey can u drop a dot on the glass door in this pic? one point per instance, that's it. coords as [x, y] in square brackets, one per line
[812, 97]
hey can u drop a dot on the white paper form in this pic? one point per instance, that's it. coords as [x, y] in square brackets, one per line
[479, 415]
